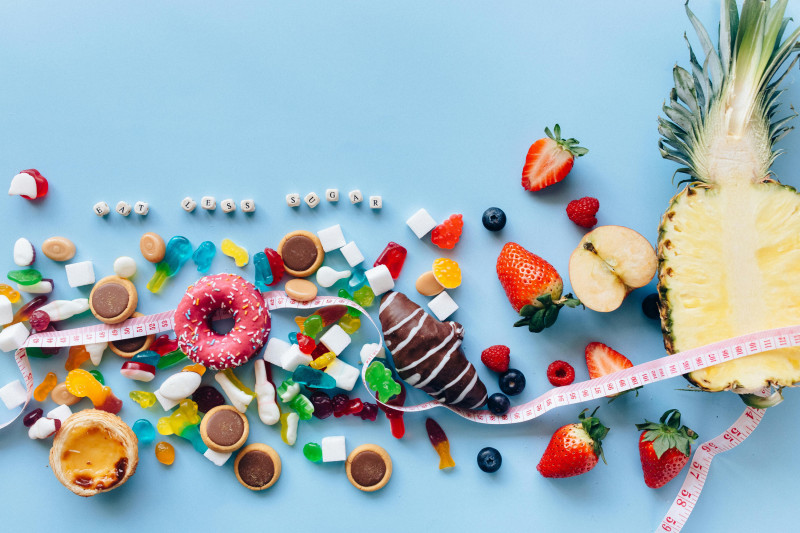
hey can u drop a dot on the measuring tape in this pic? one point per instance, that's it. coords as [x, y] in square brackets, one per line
[630, 378]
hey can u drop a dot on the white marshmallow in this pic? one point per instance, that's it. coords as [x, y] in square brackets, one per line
[292, 420]
[141, 208]
[293, 357]
[43, 428]
[228, 205]
[380, 279]
[312, 200]
[369, 349]
[180, 385]
[101, 209]
[188, 204]
[421, 223]
[23, 184]
[275, 349]
[218, 458]
[248, 205]
[375, 202]
[62, 412]
[333, 449]
[123, 208]
[6, 311]
[80, 274]
[442, 306]
[208, 203]
[43, 287]
[293, 199]
[335, 339]
[346, 376]
[326, 276]
[13, 337]
[13, 394]
[268, 410]
[355, 196]
[125, 267]
[352, 254]
[331, 238]
[332, 195]
[96, 350]
[24, 253]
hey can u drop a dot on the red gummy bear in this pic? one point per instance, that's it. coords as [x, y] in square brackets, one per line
[306, 343]
[446, 234]
[275, 264]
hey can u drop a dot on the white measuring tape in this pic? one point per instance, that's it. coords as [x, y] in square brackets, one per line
[630, 378]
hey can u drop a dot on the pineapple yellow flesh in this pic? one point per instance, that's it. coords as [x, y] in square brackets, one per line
[730, 265]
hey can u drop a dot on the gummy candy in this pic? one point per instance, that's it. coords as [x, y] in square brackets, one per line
[165, 453]
[323, 406]
[446, 234]
[164, 345]
[144, 430]
[343, 405]
[12, 295]
[311, 326]
[148, 357]
[197, 368]
[323, 360]
[350, 324]
[447, 273]
[306, 343]
[263, 271]
[379, 379]
[39, 320]
[237, 253]
[369, 412]
[395, 417]
[98, 376]
[364, 296]
[268, 410]
[289, 422]
[31, 418]
[28, 276]
[171, 359]
[29, 182]
[24, 312]
[45, 387]
[328, 315]
[275, 265]
[207, 398]
[143, 398]
[203, 256]
[58, 310]
[440, 443]
[313, 452]
[293, 337]
[183, 422]
[393, 256]
[240, 396]
[228, 372]
[81, 383]
[77, 356]
[288, 390]
[352, 311]
[313, 378]
[303, 406]
[179, 250]
[358, 278]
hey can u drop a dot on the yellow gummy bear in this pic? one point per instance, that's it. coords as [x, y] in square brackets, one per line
[77, 356]
[233, 250]
[45, 387]
[185, 415]
[323, 360]
[12, 295]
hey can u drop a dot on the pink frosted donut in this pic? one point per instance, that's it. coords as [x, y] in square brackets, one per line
[226, 292]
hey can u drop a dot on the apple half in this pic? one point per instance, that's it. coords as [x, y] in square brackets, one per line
[609, 263]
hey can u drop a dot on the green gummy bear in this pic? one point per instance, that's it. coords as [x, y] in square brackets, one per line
[352, 311]
[312, 326]
[364, 296]
[379, 379]
[303, 406]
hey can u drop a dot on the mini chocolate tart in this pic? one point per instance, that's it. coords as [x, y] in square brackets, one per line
[368, 467]
[113, 300]
[257, 466]
[127, 348]
[94, 452]
[301, 252]
[224, 429]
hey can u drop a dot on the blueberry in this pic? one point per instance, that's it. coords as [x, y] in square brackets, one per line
[512, 382]
[494, 219]
[489, 460]
[498, 403]
[650, 306]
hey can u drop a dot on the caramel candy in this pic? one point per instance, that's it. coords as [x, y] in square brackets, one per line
[301, 290]
[427, 285]
[113, 299]
[62, 396]
[301, 252]
[368, 467]
[152, 247]
[257, 466]
[224, 429]
[58, 249]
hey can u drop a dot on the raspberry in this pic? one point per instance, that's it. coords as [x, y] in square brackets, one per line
[582, 212]
[446, 234]
[496, 358]
[560, 373]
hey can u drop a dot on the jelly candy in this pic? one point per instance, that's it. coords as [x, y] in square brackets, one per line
[313, 452]
[289, 422]
[207, 398]
[440, 443]
[369, 412]
[237, 382]
[236, 252]
[148, 357]
[143, 398]
[396, 417]
[350, 324]
[164, 345]
[293, 337]
[312, 325]
[446, 234]
[58, 310]
[30, 184]
[31, 418]
[328, 315]
[171, 359]
[39, 320]
[447, 273]
[268, 410]
[379, 379]
[240, 396]
[24, 312]
[179, 250]
[393, 256]
[313, 378]
[183, 422]
[357, 279]
[81, 383]
[303, 406]
[28, 276]
[306, 343]
[197, 368]
[144, 430]
[263, 271]
[77, 356]
[364, 296]
[343, 405]
[275, 265]
[323, 406]
[7, 291]
[45, 387]
[352, 311]
[323, 360]
[165, 453]
[98, 376]
[203, 256]
[288, 390]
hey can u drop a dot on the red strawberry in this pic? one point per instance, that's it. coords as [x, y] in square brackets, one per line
[496, 358]
[560, 373]
[664, 448]
[549, 160]
[582, 212]
[574, 449]
[602, 360]
[533, 287]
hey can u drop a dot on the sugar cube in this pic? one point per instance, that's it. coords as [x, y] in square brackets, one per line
[352, 254]
[312, 200]
[123, 208]
[208, 202]
[442, 306]
[375, 202]
[333, 449]
[332, 195]
[62, 412]
[101, 209]
[13, 394]
[188, 204]
[335, 339]
[275, 349]
[6, 311]
[293, 357]
[248, 205]
[331, 238]
[345, 375]
[228, 205]
[421, 223]
[13, 337]
[355, 196]
[141, 208]
[293, 199]
[218, 458]
[380, 279]
[80, 274]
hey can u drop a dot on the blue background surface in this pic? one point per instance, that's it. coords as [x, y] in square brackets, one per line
[429, 104]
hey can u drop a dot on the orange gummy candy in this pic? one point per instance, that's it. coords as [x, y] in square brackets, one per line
[165, 453]
[77, 356]
[447, 272]
[45, 387]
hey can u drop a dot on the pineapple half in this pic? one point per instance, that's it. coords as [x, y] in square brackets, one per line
[729, 243]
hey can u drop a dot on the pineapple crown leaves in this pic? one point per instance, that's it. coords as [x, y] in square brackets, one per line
[570, 145]
[668, 433]
[544, 314]
[735, 79]
[596, 431]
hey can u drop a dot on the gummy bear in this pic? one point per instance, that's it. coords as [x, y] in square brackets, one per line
[302, 406]
[364, 296]
[379, 379]
[446, 234]
[28, 276]
[343, 405]
[323, 361]
[369, 412]
[203, 256]
[183, 422]
[312, 325]
[289, 422]
[77, 356]
[263, 271]
[323, 406]
[164, 345]
[293, 337]
[275, 265]
[393, 256]
[98, 376]
[447, 273]
[313, 452]
[313, 378]
[306, 343]
[179, 250]
[24, 312]
[12, 295]
[165, 453]
[358, 278]
[240, 255]
[440, 443]
[144, 431]
[81, 383]
[350, 324]
[396, 417]
[328, 315]
[143, 398]
[45, 387]
[352, 311]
